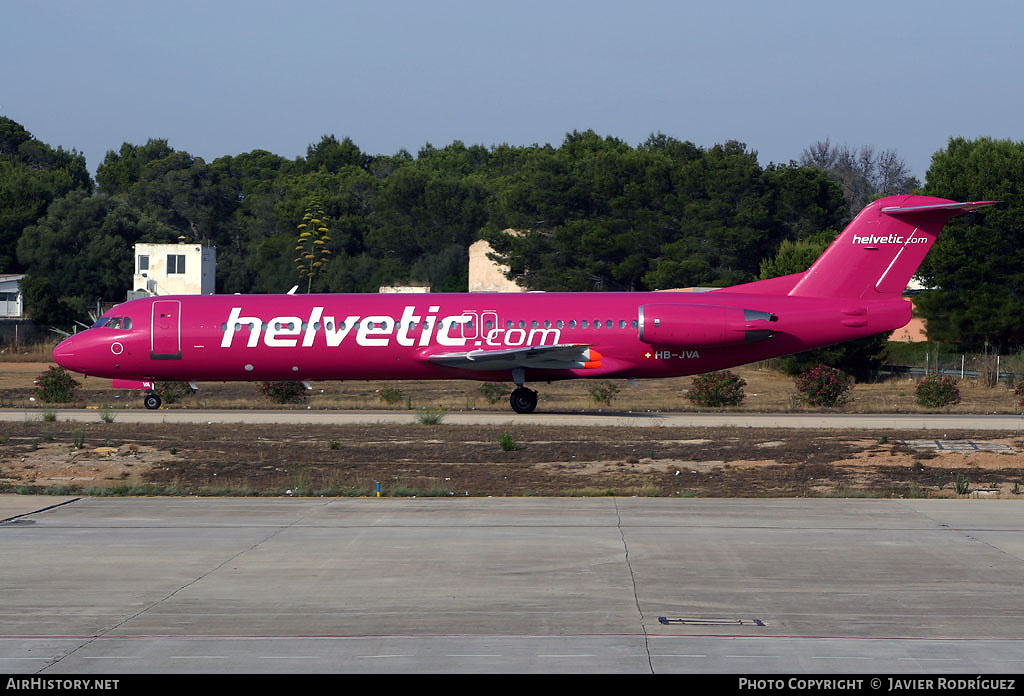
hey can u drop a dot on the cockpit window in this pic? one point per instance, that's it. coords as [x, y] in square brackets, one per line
[113, 323]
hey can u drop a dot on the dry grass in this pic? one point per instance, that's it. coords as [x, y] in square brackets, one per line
[27, 352]
[767, 391]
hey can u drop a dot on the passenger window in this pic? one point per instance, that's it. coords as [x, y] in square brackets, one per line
[584, 324]
[572, 323]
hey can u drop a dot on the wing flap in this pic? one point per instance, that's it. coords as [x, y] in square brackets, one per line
[567, 356]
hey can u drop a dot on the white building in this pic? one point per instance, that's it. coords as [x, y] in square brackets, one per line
[174, 269]
[12, 303]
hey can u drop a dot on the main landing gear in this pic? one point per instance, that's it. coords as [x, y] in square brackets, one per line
[523, 400]
[152, 401]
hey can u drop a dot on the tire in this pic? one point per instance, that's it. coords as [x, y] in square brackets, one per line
[523, 400]
[152, 401]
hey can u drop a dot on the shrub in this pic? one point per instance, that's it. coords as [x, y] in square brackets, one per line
[390, 395]
[284, 392]
[56, 386]
[603, 392]
[172, 392]
[962, 484]
[722, 388]
[430, 416]
[493, 391]
[1018, 391]
[935, 391]
[507, 442]
[824, 386]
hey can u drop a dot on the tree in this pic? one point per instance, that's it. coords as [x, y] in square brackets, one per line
[332, 156]
[32, 175]
[977, 265]
[80, 252]
[598, 215]
[121, 170]
[863, 174]
[796, 256]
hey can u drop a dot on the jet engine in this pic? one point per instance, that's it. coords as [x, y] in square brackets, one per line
[703, 325]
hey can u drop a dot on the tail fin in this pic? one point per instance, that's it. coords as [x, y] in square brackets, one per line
[878, 253]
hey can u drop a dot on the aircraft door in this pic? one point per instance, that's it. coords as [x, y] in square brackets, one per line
[165, 330]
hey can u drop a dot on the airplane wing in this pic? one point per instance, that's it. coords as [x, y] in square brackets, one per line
[566, 356]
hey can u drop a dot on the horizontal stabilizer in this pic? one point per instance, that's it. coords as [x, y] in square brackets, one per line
[962, 207]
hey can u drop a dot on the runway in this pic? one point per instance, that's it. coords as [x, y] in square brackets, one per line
[872, 421]
[475, 585]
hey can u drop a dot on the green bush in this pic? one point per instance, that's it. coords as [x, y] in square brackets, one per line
[493, 391]
[390, 395]
[603, 392]
[962, 484]
[172, 392]
[284, 392]
[430, 416]
[56, 386]
[507, 442]
[715, 389]
[824, 386]
[935, 391]
[1018, 391]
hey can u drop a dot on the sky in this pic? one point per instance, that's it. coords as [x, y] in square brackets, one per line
[217, 77]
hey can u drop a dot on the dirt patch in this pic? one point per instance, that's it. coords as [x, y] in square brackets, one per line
[455, 460]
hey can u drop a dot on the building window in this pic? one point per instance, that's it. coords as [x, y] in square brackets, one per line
[143, 263]
[175, 263]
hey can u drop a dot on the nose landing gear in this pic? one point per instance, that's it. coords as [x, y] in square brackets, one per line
[152, 401]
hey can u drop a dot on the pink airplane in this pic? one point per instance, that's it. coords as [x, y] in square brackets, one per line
[853, 290]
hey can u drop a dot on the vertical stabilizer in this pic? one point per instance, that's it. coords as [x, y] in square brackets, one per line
[880, 251]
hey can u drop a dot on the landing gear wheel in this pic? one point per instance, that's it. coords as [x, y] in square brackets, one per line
[152, 401]
[523, 400]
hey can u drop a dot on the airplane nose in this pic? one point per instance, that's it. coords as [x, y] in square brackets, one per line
[64, 354]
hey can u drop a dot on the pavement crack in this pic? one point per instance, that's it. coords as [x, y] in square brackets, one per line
[632, 577]
[14, 518]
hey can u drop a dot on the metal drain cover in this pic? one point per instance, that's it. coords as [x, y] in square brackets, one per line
[711, 622]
